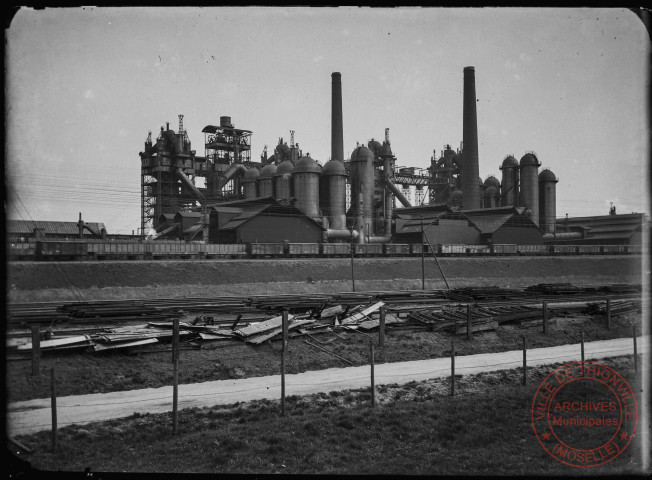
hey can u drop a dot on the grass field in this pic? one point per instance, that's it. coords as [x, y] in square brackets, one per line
[416, 428]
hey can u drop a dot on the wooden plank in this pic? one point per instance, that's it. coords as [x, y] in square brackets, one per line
[331, 311]
[99, 348]
[58, 342]
[261, 327]
[478, 327]
[214, 336]
[373, 323]
[258, 339]
[357, 317]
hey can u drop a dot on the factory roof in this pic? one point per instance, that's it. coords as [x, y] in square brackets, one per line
[488, 220]
[428, 214]
[490, 223]
[423, 209]
[604, 227]
[245, 210]
[26, 227]
[186, 214]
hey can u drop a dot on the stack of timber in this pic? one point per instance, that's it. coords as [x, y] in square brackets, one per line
[617, 307]
[482, 318]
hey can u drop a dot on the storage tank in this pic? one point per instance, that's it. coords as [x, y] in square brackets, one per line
[529, 184]
[362, 190]
[492, 181]
[333, 194]
[456, 198]
[490, 197]
[375, 146]
[306, 186]
[266, 181]
[547, 200]
[509, 186]
[283, 180]
[249, 185]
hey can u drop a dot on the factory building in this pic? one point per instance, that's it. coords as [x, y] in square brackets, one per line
[362, 199]
[505, 225]
[261, 220]
[624, 229]
[434, 224]
[24, 231]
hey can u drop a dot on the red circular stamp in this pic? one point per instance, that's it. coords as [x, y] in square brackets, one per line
[584, 414]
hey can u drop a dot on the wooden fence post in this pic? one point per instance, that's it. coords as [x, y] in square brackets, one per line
[36, 350]
[284, 342]
[635, 353]
[524, 361]
[381, 331]
[452, 367]
[545, 317]
[469, 336]
[175, 374]
[53, 403]
[373, 386]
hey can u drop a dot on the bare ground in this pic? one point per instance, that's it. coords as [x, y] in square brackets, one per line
[79, 373]
[32, 281]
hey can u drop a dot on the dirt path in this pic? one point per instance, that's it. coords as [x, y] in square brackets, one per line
[35, 415]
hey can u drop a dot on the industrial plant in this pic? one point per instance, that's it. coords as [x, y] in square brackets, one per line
[343, 200]
[368, 204]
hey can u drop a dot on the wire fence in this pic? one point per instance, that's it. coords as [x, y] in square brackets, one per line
[355, 377]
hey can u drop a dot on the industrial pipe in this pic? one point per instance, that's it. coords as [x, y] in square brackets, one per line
[331, 234]
[385, 239]
[397, 193]
[186, 181]
[562, 236]
[389, 199]
[230, 173]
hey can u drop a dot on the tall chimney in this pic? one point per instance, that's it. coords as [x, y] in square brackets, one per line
[337, 135]
[470, 168]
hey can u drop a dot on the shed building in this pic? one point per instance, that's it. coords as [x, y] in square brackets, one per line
[441, 225]
[505, 225]
[261, 220]
[626, 229]
[31, 230]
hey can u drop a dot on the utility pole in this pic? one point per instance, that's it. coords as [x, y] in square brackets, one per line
[352, 247]
[423, 266]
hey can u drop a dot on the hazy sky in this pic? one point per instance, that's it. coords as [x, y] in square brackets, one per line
[85, 86]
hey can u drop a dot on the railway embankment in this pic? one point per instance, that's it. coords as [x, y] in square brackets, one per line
[44, 281]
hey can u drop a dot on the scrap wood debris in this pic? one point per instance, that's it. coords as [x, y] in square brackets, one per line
[310, 315]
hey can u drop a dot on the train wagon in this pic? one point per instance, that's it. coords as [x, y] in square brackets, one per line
[336, 249]
[504, 249]
[368, 249]
[303, 249]
[21, 251]
[60, 250]
[258, 250]
[532, 249]
[224, 250]
[397, 249]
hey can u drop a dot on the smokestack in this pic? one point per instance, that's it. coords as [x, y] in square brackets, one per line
[337, 135]
[470, 168]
